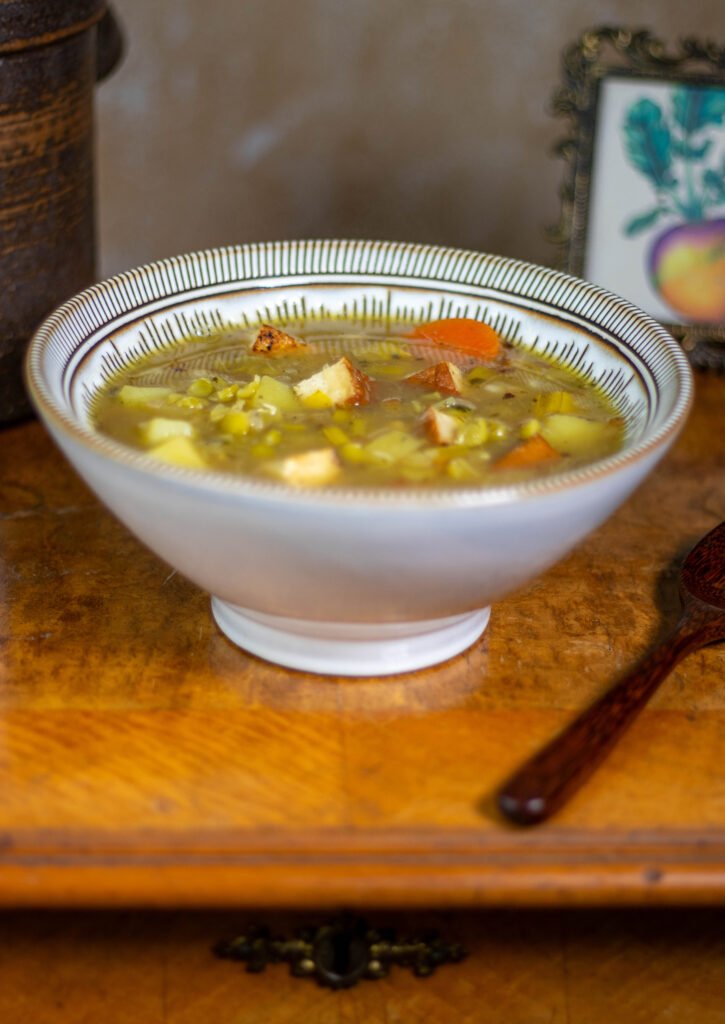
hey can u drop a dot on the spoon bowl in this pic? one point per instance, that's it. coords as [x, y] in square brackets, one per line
[703, 573]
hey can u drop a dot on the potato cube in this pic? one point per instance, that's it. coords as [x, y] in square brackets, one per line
[392, 446]
[574, 435]
[474, 433]
[160, 428]
[319, 466]
[461, 469]
[275, 396]
[137, 397]
[179, 451]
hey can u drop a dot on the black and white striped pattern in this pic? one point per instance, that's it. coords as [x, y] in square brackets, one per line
[608, 341]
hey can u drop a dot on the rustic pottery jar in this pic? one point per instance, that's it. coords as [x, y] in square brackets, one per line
[51, 55]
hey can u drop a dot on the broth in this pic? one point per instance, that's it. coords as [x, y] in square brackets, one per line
[335, 403]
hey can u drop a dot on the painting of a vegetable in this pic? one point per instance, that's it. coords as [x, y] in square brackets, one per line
[676, 149]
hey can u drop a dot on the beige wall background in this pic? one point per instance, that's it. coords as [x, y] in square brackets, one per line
[415, 120]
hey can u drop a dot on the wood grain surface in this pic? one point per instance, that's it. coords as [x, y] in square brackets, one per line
[542, 785]
[661, 966]
[146, 761]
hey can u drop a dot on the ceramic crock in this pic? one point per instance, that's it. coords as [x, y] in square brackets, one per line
[51, 56]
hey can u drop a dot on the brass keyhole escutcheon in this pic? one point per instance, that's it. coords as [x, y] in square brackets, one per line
[339, 954]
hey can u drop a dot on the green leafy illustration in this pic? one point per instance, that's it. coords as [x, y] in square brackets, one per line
[689, 151]
[648, 142]
[672, 148]
[695, 109]
[714, 183]
[642, 221]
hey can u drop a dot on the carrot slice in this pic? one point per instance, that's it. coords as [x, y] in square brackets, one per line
[527, 453]
[462, 332]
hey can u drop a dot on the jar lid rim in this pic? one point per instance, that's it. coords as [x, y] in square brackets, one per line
[30, 23]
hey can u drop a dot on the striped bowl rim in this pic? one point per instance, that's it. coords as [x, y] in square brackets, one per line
[372, 263]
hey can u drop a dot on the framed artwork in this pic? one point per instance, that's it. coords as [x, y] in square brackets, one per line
[643, 203]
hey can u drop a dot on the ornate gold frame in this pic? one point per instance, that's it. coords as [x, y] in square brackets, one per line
[610, 51]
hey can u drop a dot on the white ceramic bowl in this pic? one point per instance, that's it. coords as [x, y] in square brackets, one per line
[352, 582]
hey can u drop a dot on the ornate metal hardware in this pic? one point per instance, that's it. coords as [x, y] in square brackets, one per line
[340, 954]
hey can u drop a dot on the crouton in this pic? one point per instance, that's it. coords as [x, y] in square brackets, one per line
[319, 466]
[440, 427]
[342, 383]
[443, 377]
[272, 341]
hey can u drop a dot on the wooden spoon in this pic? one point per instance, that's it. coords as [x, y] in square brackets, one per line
[548, 779]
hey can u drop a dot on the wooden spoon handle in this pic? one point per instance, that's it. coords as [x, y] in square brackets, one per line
[549, 778]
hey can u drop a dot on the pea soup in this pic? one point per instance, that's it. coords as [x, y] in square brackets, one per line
[337, 403]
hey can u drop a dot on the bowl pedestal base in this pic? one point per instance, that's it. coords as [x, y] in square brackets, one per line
[349, 648]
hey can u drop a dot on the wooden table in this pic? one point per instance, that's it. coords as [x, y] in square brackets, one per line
[148, 763]
[145, 760]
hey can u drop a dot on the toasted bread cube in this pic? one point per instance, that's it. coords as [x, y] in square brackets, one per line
[440, 427]
[319, 466]
[342, 382]
[273, 341]
[444, 377]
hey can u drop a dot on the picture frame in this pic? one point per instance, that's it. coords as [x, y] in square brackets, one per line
[643, 198]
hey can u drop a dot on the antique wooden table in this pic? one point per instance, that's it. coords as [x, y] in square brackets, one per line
[147, 763]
